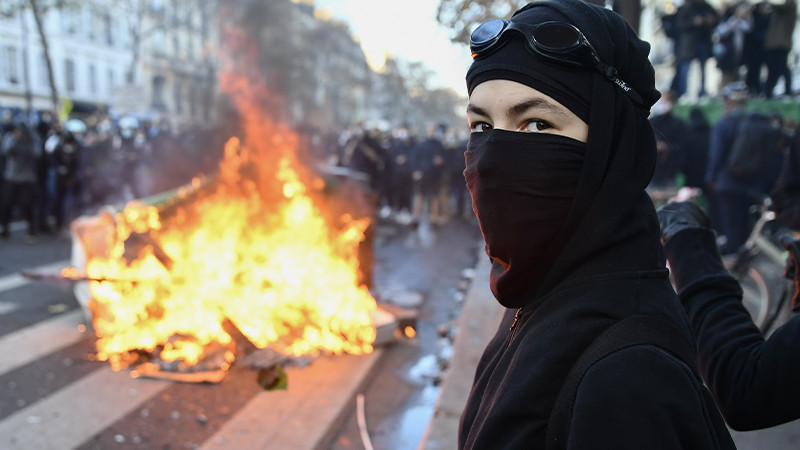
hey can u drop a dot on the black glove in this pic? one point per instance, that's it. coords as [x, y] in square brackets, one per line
[678, 216]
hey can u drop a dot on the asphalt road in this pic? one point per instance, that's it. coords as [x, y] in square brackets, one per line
[55, 396]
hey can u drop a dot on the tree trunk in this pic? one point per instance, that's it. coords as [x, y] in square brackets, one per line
[130, 77]
[631, 10]
[46, 48]
[136, 37]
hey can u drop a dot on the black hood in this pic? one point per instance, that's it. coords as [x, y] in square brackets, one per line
[612, 225]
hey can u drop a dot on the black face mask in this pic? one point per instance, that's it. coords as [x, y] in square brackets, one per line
[522, 187]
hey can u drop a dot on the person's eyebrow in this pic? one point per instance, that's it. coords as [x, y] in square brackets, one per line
[471, 108]
[521, 107]
[538, 103]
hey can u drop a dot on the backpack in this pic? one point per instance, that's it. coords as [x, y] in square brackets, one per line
[628, 332]
[756, 154]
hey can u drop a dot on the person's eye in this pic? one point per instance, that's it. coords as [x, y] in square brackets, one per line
[536, 126]
[479, 127]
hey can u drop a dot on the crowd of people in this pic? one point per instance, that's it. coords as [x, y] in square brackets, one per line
[54, 170]
[697, 154]
[415, 175]
[745, 39]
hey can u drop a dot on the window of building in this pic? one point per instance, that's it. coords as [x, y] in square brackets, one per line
[193, 102]
[92, 79]
[69, 21]
[159, 84]
[9, 70]
[110, 79]
[107, 29]
[69, 74]
[124, 38]
[159, 41]
[90, 26]
[44, 76]
[178, 98]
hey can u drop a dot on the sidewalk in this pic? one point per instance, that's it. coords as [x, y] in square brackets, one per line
[477, 323]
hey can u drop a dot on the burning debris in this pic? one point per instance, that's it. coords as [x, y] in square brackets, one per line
[259, 256]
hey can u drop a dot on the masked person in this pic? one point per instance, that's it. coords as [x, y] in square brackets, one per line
[559, 157]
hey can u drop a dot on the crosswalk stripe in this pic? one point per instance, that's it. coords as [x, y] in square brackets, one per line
[297, 417]
[74, 414]
[6, 308]
[18, 225]
[9, 282]
[35, 341]
[16, 280]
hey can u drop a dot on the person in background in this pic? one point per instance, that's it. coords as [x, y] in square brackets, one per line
[560, 155]
[364, 152]
[427, 168]
[671, 140]
[458, 190]
[67, 161]
[785, 194]
[730, 36]
[754, 48]
[21, 156]
[400, 169]
[695, 160]
[753, 379]
[778, 45]
[729, 197]
[696, 22]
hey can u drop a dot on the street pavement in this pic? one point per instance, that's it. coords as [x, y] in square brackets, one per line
[54, 397]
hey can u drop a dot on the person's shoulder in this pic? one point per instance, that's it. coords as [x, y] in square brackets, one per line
[638, 369]
[645, 397]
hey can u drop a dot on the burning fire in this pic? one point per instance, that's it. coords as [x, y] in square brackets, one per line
[259, 250]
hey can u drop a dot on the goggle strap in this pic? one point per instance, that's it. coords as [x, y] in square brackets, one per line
[613, 76]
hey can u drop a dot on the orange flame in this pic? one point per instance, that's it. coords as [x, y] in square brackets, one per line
[258, 250]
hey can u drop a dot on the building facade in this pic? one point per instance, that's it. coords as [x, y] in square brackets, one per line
[153, 58]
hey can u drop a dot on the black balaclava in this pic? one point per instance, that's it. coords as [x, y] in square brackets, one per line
[551, 207]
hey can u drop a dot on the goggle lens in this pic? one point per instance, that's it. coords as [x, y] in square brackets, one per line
[487, 31]
[555, 36]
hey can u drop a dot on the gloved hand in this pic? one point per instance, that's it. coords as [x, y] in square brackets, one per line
[678, 216]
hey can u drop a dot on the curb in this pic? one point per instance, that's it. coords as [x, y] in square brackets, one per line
[477, 323]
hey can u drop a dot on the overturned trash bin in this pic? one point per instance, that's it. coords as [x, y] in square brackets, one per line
[255, 257]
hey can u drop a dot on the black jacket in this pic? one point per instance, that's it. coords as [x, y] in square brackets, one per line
[753, 380]
[641, 397]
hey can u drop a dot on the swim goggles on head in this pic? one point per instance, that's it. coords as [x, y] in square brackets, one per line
[556, 41]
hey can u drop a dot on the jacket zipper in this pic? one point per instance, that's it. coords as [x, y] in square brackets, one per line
[514, 324]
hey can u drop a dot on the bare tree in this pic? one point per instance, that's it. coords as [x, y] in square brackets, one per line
[462, 16]
[39, 9]
[136, 9]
